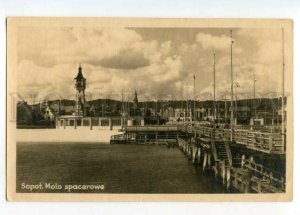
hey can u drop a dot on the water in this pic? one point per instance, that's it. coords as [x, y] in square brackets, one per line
[118, 168]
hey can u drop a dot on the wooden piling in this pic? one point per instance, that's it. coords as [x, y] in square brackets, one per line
[199, 154]
[204, 160]
[243, 161]
[209, 160]
[223, 171]
[235, 181]
[228, 176]
[194, 153]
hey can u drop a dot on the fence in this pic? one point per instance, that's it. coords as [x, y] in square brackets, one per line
[151, 128]
[267, 142]
[75, 122]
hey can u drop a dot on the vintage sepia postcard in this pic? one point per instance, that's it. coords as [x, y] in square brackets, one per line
[123, 109]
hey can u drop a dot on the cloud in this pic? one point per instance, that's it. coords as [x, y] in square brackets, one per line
[73, 45]
[120, 59]
[207, 41]
[126, 59]
[40, 82]
[266, 44]
[166, 70]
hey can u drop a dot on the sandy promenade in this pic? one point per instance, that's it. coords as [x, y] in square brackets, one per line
[65, 135]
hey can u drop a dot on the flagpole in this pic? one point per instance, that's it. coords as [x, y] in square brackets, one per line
[254, 96]
[187, 104]
[194, 99]
[214, 102]
[225, 108]
[231, 88]
[282, 107]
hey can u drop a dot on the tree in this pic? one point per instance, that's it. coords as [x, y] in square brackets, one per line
[23, 114]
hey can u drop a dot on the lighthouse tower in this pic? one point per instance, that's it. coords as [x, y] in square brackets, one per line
[80, 84]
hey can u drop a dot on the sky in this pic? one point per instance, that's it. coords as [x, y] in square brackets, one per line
[159, 63]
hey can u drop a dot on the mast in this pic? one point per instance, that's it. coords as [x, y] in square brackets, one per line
[122, 102]
[231, 88]
[194, 98]
[123, 109]
[127, 106]
[225, 106]
[214, 102]
[187, 104]
[283, 65]
[254, 97]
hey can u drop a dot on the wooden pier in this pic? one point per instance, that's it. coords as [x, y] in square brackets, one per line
[267, 142]
[212, 149]
[167, 135]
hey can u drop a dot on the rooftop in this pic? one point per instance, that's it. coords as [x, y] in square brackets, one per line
[79, 76]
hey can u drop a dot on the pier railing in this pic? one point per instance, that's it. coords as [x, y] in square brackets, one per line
[267, 142]
[269, 176]
[150, 128]
[262, 128]
[228, 152]
[257, 140]
[254, 177]
[126, 136]
[261, 141]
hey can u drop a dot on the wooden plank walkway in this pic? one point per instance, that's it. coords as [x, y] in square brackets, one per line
[266, 142]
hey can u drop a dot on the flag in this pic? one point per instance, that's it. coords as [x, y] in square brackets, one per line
[194, 77]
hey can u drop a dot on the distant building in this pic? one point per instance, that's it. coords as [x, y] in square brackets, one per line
[55, 107]
[69, 109]
[199, 113]
[183, 114]
[280, 111]
[79, 108]
[47, 112]
[168, 114]
[257, 121]
[80, 85]
[63, 107]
